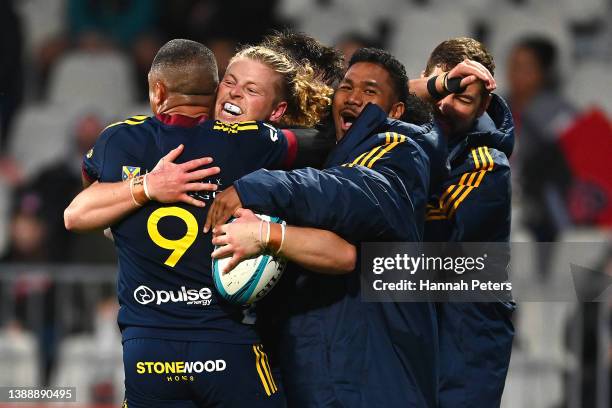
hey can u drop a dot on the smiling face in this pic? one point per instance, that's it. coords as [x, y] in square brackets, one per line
[363, 82]
[457, 113]
[249, 90]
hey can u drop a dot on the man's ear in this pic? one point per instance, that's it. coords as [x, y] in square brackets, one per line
[160, 93]
[484, 105]
[278, 112]
[397, 110]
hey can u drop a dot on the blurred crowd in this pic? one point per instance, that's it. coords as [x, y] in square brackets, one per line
[68, 68]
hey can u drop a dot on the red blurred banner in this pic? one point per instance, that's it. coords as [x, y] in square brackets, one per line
[587, 145]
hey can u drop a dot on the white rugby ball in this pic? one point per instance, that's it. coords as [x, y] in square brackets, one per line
[252, 278]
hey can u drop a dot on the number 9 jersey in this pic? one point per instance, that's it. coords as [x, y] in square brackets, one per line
[165, 285]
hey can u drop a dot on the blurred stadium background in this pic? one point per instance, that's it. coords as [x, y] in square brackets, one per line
[69, 67]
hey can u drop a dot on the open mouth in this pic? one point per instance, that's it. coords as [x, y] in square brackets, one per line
[347, 118]
[232, 109]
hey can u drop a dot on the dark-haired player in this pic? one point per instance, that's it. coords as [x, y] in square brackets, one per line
[328, 66]
[337, 350]
[472, 205]
[183, 347]
[325, 60]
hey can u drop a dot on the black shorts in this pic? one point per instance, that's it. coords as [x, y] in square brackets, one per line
[168, 373]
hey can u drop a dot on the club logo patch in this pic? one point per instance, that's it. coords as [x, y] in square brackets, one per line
[129, 172]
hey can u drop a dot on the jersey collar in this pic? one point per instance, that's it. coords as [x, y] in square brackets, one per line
[176, 119]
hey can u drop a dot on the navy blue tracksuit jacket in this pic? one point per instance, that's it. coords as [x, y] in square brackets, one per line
[474, 205]
[337, 351]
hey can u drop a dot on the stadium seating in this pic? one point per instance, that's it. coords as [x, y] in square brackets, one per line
[76, 357]
[41, 134]
[583, 10]
[331, 22]
[413, 25]
[102, 80]
[18, 358]
[339, 17]
[590, 84]
[543, 379]
[42, 20]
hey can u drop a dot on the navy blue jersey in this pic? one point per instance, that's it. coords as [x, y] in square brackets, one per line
[189, 374]
[165, 284]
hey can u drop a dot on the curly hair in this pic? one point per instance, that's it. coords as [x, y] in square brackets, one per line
[308, 98]
[327, 62]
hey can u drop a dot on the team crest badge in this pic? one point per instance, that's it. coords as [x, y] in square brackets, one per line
[129, 172]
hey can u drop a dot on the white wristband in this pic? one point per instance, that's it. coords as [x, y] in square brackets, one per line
[261, 234]
[146, 189]
[282, 238]
[267, 235]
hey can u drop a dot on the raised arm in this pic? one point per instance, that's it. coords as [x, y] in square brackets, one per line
[314, 249]
[103, 204]
[469, 71]
[389, 196]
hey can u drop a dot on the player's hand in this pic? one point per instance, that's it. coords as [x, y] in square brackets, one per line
[169, 182]
[472, 71]
[239, 240]
[225, 204]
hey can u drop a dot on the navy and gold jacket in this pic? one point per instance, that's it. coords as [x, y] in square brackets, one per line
[473, 203]
[335, 349]
[374, 186]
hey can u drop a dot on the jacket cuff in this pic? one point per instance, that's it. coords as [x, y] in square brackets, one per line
[247, 188]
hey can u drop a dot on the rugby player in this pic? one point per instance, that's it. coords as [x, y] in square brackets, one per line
[184, 347]
[473, 204]
[337, 350]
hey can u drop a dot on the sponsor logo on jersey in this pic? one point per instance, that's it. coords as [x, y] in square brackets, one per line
[205, 195]
[176, 371]
[145, 295]
[129, 172]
